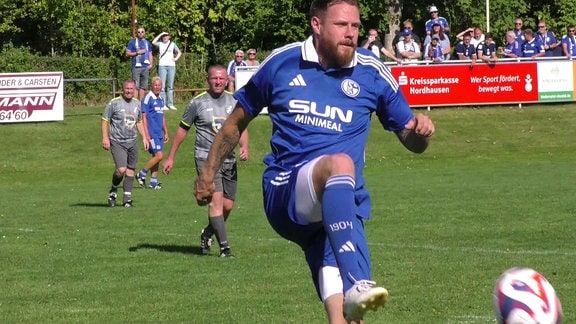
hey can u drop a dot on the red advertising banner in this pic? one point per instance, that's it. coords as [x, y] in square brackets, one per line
[465, 84]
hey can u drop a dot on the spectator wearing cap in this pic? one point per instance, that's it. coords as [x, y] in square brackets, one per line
[465, 50]
[373, 44]
[486, 50]
[569, 42]
[252, 61]
[409, 50]
[237, 61]
[444, 40]
[435, 18]
[168, 53]
[477, 35]
[400, 36]
[433, 50]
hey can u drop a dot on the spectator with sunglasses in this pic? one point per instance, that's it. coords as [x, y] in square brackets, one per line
[237, 61]
[569, 42]
[436, 19]
[518, 31]
[252, 61]
[140, 50]
[547, 39]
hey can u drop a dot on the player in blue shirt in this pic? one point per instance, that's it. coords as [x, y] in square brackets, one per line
[155, 123]
[321, 95]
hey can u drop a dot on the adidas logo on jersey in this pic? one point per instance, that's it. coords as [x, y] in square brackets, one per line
[347, 247]
[298, 81]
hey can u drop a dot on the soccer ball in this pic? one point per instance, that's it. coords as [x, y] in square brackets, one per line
[524, 296]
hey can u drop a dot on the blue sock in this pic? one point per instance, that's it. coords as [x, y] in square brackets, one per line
[142, 173]
[338, 214]
[153, 182]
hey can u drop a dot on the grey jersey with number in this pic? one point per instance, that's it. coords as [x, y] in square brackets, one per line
[122, 116]
[208, 114]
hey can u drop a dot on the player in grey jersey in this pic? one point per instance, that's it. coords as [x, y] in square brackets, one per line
[207, 112]
[120, 120]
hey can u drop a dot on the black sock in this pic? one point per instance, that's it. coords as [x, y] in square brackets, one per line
[128, 185]
[219, 227]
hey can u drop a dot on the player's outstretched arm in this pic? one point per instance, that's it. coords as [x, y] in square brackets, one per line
[416, 134]
[226, 140]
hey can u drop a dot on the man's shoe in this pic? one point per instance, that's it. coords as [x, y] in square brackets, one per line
[157, 186]
[128, 204]
[141, 181]
[165, 108]
[112, 199]
[172, 108]
[362, 297]
[226, 253]
[205, 243]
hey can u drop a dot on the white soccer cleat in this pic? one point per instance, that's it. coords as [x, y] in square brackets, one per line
[362, 297]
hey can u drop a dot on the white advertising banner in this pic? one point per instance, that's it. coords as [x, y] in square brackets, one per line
[31, 97]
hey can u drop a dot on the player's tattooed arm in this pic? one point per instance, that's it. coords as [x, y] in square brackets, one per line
[416, 134]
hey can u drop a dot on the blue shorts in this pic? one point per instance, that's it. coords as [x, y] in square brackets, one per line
[156, 145]
[279, 188]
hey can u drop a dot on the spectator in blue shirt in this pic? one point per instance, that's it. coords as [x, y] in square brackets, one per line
[547, 39]
[513, 48]
[435, 18]
[569, 42]
[531, 46]
[237, 61]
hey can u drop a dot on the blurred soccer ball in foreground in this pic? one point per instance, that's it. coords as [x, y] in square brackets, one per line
[524, 296]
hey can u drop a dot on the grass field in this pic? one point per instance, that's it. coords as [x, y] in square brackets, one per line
[494, 190]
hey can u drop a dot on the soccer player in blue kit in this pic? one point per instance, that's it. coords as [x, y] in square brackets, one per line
[321, 94]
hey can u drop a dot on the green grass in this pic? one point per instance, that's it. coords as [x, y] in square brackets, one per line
[494, 190]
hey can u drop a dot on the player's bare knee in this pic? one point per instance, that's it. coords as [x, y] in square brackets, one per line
[341, 164]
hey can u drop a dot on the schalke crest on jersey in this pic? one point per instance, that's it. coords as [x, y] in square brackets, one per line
[350, 87]
[217, 123]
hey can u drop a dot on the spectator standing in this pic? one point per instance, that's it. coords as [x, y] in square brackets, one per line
[569, 42]
[313, 186]
[477, 35]
[140, 50]
[435, 18]
[547, 39]
[155, 125]
[169, 53]
[518, 31]
[252, 61]
[444, 40]
[486, 50]
[120, 120]
[513, 49]
[373, 44]
[531, 46]
[433, 50]
[409, 50]
[465, 50]
[208, 112]
[237, 61]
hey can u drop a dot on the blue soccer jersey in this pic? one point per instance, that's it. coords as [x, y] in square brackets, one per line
[315, 111]
[152, 107]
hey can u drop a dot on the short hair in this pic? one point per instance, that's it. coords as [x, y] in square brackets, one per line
[488, 35]
[528, 31]
[319, 7]
[156, 78]
[239, 52]
[216, 67]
